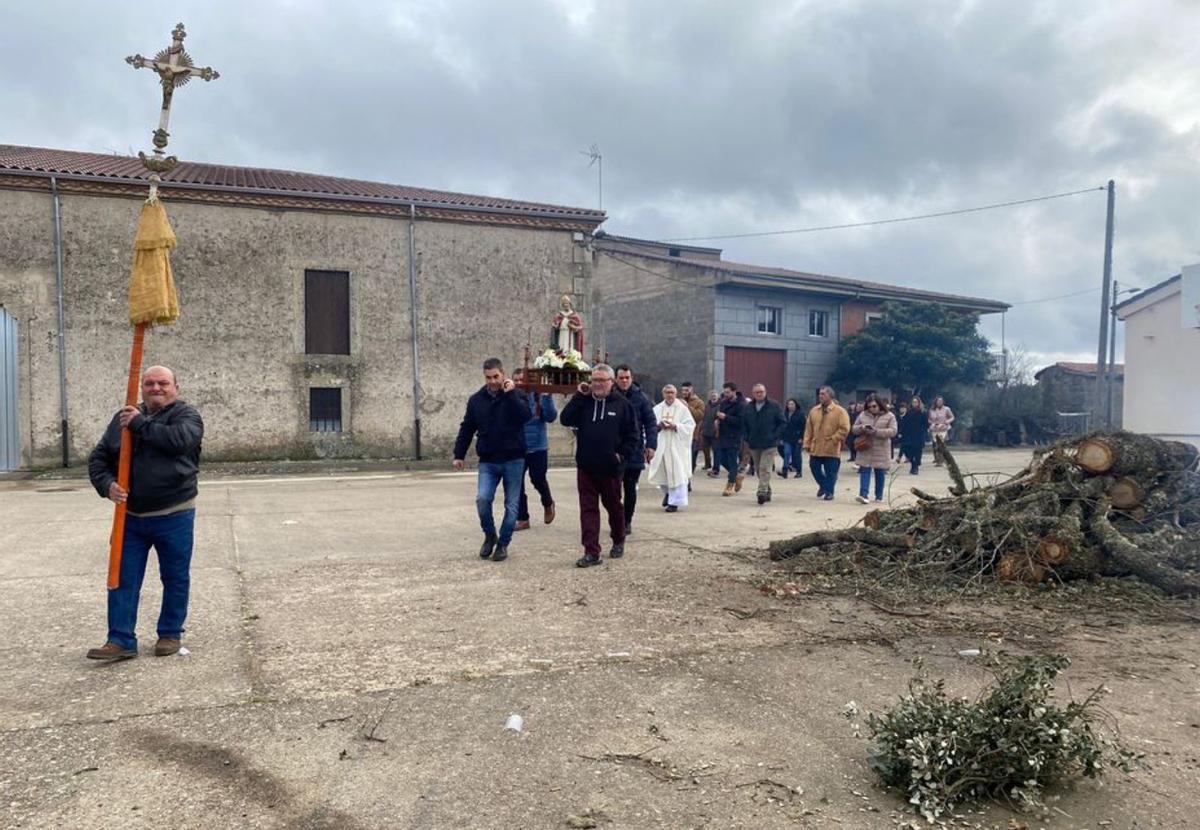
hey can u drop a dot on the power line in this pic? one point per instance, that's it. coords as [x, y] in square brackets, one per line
[1059, 297]
[888, 221]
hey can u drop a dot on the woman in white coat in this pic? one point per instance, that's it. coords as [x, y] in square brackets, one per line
[671, 467]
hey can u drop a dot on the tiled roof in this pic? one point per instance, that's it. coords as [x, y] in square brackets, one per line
[742, 272]
[1141, 295]
[1079, 368]
[221, 177]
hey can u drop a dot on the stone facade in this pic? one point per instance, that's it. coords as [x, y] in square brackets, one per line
[239, 346]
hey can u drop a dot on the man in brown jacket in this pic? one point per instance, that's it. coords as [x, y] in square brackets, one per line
[695, 405]
[824, 434]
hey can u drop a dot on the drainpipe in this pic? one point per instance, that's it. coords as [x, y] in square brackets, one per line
[412, 306]
[62, 334]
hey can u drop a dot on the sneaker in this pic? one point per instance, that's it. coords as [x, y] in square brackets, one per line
[588, 560]
[166, 646]
[110, 652]
[489, 544]
[549, 513]
[501, 553]
[618, 550]
[879, 501]
[672, 508]
[828, 497]
[862, 499]
[715, 474]
[522, 524]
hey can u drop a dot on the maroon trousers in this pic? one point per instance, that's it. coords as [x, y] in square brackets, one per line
[595, 488]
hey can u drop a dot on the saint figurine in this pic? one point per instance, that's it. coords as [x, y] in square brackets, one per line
[568, 327]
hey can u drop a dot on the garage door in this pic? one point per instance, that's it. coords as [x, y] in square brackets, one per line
[746, 367]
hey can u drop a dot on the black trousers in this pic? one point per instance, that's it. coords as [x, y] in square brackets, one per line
[536, 464]
[913, 453]
[631, 479]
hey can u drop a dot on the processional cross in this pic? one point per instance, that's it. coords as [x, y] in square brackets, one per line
[175, 68]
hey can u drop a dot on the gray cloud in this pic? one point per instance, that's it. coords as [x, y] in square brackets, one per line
[712, 117]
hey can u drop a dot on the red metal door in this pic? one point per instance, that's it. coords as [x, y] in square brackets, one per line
[746, 367]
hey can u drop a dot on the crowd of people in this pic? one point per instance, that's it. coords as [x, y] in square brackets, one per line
[621, 434]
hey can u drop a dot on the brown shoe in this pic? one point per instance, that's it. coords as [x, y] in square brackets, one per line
[166, 647]
[737, 483]
[729, 489]
[550, 513]
[111, 652]
[523, 524]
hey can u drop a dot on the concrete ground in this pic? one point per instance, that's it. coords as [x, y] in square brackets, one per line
[353, 664]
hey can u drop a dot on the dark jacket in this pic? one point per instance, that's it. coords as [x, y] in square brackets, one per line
[499, 421]
[764, 426]
[793, 433]
[605, 432]
[913, 426]
[166, 457]
[708, 427]
[536, 439]
[646, 425]
[733, 429]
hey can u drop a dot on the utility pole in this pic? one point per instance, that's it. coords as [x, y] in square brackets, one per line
[1110, 380]
[1105, 306]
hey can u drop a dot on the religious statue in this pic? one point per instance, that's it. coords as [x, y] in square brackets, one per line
[568, 327]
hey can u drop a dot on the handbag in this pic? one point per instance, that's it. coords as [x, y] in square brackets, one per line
[862, 443]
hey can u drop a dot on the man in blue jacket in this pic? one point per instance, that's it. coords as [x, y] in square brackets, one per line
[161, 509]
[646, 429]
[604, 440]
[537, 453]
[496, 414]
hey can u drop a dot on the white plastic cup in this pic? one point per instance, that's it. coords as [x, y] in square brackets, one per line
[515, 722]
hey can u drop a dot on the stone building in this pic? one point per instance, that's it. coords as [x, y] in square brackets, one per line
[679, 312]
[1069, 392]
[321, 316]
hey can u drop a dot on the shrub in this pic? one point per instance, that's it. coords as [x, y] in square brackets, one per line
[1009, 744]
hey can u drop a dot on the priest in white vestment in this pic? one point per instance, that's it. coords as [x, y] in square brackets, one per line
[671, 467]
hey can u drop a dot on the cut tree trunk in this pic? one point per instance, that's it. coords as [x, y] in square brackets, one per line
[1126, 493]
[1096, 455]
[1146, 566]
[787, 548]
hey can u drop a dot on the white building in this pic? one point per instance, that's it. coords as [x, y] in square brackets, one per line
[1162, 358]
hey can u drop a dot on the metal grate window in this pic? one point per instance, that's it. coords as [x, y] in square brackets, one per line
[324, 410]
[770, 320]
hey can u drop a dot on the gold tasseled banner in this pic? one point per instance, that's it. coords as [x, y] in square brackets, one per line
[152, 298]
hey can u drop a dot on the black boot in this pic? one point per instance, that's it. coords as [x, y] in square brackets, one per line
[501, 553]
[489, 544]
[588, 560]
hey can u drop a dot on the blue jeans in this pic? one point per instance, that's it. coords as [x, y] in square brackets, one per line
[171, 537]
[864, 482]
[728, 457]
[793, 456]
[490, 476]
[825, 471]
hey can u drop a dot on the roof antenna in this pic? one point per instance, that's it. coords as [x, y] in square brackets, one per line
[593, 153]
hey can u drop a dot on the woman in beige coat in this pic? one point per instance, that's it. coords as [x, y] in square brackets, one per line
[878, 426]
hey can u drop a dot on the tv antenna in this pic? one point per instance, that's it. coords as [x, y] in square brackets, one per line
[597, 159]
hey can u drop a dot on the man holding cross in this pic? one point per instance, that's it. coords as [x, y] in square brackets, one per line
[161, 509]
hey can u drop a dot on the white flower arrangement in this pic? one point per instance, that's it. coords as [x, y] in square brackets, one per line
[558, 359]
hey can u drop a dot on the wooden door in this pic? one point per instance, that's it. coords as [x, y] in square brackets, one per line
[746, 367]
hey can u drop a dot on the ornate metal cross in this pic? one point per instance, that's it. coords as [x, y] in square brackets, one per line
[175, 68]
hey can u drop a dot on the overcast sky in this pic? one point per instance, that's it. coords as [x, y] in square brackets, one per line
[716, 117]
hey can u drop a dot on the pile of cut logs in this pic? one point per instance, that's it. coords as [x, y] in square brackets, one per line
[1105, 504]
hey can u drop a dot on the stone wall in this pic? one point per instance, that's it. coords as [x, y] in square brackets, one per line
[239, 344]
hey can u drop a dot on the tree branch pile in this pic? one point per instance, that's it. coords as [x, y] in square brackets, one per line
[1105, 504]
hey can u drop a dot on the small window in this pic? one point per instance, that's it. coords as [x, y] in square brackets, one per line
[673, 252]
[324, 410]
[874, 317]
[770, 320]
[818, 324]
[326, 312]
